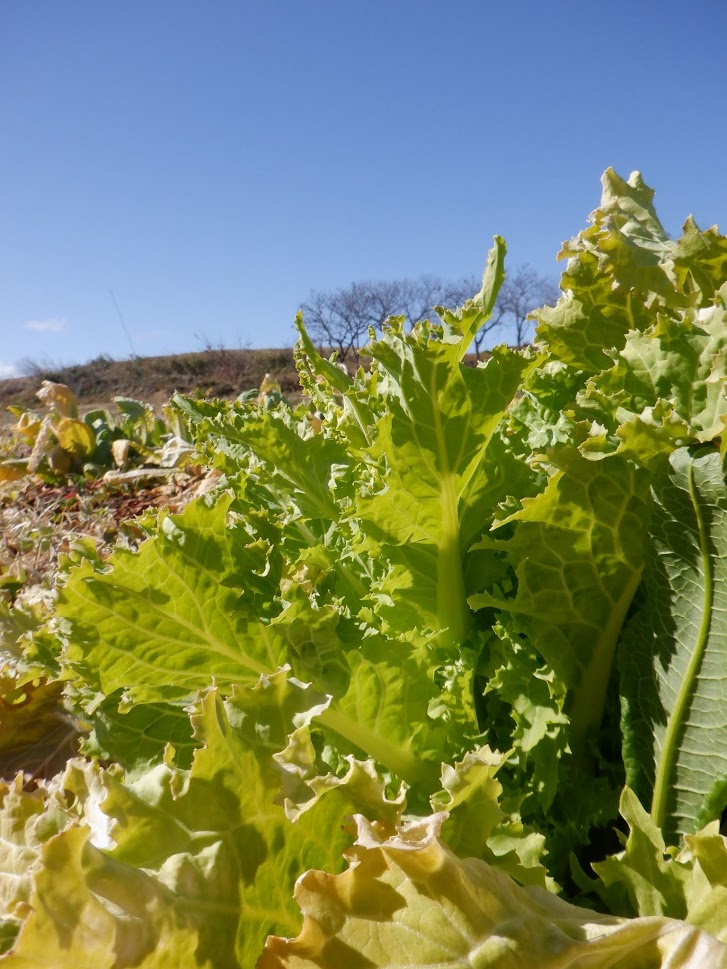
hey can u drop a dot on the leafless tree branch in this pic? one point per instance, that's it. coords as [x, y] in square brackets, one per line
[340, 319]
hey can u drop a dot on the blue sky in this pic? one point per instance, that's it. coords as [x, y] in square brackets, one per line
[211, 163]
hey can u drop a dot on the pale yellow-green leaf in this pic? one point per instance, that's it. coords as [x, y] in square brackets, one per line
[120, 452]
[85, 918]
[406, 901]
[76, 437]
[59, 399]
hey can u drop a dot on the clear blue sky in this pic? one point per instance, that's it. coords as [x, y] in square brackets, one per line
[212, 162]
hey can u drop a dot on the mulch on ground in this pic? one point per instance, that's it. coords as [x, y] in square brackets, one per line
[39, 521]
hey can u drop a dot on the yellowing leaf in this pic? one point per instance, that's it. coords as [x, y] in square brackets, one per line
[407, 901]
[43, 442]
[181, 868]
[269, 385]
[76, 437]
[74, 924]
[36, 733]
[10, 472]
[120, 452]
[28, 424]
[59, 399]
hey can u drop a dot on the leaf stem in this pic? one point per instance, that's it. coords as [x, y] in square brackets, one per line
[590, 695]
[452, 608]
[398, 759]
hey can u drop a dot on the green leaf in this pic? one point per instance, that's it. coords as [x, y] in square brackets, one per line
[192, 604]
[135, 411]
[32, 820]
[655, 883]
[387, 703]
[701, 260]
[690, 884]
[477, 824]
[516, 676]
[707, 892]
[136, 737]
[674, 654]
[467, 320]
[679, 362]
[633, 246]
[244, 854]
[470, 794]
[385, 712]
[590, 318]
[299, 469]
[436, 479]
[577, 552]
[619, 269]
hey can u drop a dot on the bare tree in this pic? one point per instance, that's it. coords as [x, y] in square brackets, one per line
[340, 319]
[523, 291]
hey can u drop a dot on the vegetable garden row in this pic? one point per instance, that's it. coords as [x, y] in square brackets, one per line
[435, 677]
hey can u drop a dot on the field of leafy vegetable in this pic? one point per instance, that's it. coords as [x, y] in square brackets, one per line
[441, 664]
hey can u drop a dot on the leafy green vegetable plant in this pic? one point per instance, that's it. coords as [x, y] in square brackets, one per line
[441, 664]
[61, 443]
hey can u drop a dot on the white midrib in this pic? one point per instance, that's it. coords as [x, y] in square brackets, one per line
[452, 608]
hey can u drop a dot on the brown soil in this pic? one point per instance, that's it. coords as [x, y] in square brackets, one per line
[39, 521]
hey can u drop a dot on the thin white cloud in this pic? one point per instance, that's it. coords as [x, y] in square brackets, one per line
[52, 325]
[7, 370]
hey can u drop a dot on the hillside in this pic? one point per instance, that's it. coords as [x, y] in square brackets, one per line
[209, 373]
